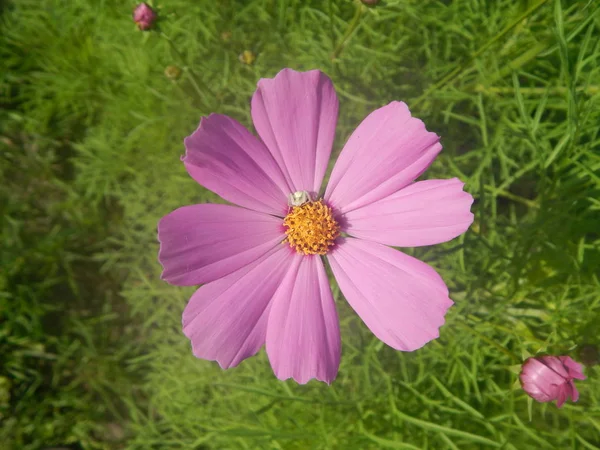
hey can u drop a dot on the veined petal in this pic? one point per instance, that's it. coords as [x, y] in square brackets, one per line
[295, 115]
[423, 213]
[556, 365]
[200, 243]
[226, 320]
[386, 152]
[224, 157]
[303, 335]
[401, 299]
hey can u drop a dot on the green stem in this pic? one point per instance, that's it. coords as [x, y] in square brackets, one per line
[513, 197]
[199, 86]
[490, 342]
[454, 73]
[353, 25]
[558, 90]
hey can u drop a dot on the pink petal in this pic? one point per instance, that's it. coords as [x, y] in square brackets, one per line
[200, 243]
[224, 157]
[540, 381]
[574, 368]
[401, 299]
[534, 391]
[555, 364]
[303, 335]
[226, 320]
[574, 391]
[423, 213]
[295, 115]
[562, 395]
[387, 151]
[538, 372]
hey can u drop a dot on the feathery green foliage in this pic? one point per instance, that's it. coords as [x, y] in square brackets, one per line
[92, 129]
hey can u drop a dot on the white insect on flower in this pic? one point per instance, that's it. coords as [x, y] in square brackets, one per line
[298, 198]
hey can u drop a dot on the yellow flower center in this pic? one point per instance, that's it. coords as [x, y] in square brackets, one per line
[311, 228]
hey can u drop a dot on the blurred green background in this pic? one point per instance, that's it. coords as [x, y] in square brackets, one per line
[91, 130]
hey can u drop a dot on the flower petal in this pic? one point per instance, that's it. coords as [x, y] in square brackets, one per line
[200, 243]
[295, 115]
[540, 381]
[574, 368]
[386, 152]
[563, 393]
[224, 157]
[537, 393]
[401, 299]
[574, 392]
[423, 213]
[556, 365]
[226, 320]
[303, 335]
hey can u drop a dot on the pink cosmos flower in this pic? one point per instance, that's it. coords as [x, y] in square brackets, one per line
[144, 16]
[260, 260]
[547, 378]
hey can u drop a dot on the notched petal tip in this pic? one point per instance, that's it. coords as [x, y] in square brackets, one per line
[303, 381]
[423, 213]
[204, 242]
[402, 300]
[224, 157]
[405, 149]
[402, 108]
[303, 336]
[226, 320]
[295, 115]
[288, 72]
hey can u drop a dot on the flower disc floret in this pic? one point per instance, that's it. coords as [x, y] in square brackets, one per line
[311, 228]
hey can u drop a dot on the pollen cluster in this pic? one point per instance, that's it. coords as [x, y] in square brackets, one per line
[311, 228]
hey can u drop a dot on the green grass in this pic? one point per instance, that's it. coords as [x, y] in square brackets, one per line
[91, 132]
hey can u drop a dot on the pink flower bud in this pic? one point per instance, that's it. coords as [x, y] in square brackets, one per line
[547, 378]
[144, 16]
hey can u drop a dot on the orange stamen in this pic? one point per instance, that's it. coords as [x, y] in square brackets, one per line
[311, 228]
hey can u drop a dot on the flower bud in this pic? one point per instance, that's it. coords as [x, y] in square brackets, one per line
[548, 378]
[172, 72]
[144, 16]
[247, 57]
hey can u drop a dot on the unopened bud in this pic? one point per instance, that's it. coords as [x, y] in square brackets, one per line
[247, 57]
[144, 16]
[172, 72]
[548, 378]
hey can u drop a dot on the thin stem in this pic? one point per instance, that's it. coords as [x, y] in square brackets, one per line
[491, 342]
[454, 73]
[558, 90]
[513, 197]
[199, 86]
[353, 25]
